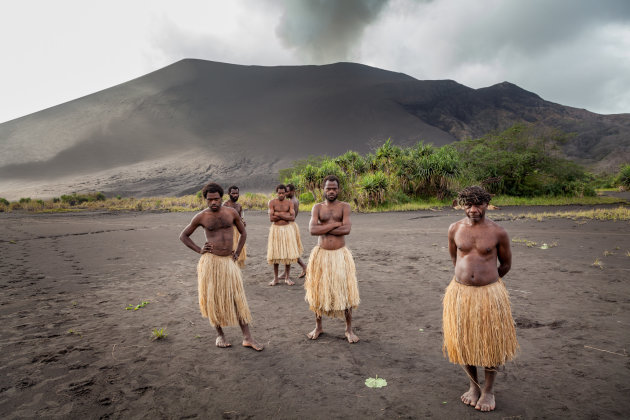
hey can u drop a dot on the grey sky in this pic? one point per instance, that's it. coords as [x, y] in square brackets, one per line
[573, 52]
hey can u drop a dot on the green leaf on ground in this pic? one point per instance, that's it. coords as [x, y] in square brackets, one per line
[375, 382]
[421, 329]
[131, 307]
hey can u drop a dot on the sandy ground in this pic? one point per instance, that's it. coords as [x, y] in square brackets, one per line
[69, 349]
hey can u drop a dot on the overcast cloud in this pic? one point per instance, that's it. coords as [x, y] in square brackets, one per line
[573, 52]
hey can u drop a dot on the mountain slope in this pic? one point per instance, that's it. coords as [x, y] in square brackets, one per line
[172, 130]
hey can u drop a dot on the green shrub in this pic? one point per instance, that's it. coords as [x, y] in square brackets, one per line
[25, 200]
[4, 201]
[623, 176]
[307, 198]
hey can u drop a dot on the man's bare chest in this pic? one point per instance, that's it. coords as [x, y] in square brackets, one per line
[330, 215]
[281, 206]
[479, 242]
[214, 224]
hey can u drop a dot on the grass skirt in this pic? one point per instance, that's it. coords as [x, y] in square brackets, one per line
[282, 247]
[331, 282]
[221, 294]
[243, 255]
[477, 324]
[298, 238]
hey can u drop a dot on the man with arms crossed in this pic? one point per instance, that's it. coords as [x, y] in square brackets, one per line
[477, 318]
[234, 194]
[331, 282]
[221, 294]
[282, 246]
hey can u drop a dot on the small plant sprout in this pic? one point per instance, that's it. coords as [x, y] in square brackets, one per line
[159, 334]
[598, 263]
[375, 382]
[72, 331]
[142, 304]
[627, 253]
[608, 253]
[526, 242]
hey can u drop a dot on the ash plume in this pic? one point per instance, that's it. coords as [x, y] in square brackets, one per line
[326, 30]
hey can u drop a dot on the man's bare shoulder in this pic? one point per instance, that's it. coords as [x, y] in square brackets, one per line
[455, 226]
[229, 210]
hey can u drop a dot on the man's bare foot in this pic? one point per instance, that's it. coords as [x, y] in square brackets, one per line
[222, 342]
[486, 402]
[302, 274]
[253, 344]
[273, 282]
[471, 396]
[289, 281]
[352, 337]
[314, 334]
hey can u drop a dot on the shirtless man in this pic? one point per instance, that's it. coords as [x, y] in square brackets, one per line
[234, 194]
[331, 283]
[221, 294]
[477, 319]
[282, 246]
[296, 207]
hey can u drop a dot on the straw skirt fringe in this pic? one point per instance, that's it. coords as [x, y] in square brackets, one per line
[221, 295]
[298, 238]
[243, 255]
[477, 324]
[331, 282]
[282, 247]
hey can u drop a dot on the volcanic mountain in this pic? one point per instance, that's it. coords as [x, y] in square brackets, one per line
[172, 130]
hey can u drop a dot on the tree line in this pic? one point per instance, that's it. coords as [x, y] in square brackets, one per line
[524, 160]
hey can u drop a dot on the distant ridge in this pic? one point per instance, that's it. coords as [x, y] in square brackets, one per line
[172, 130]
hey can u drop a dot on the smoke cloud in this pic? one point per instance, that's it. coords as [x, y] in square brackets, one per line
[323, 31]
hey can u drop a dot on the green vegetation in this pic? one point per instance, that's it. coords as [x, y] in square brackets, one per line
[159, 334]
[520, 164]
[375, 382]
[612, 214]
[623, 176]
[142, 304]
[558, 200]
[74, 203]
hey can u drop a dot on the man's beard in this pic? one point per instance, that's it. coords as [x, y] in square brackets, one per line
[234, 199]
[331, 200]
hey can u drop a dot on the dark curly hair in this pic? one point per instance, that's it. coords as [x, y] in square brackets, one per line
[290, 187]
[281, 187]
[233, 187]
[473, 195]
[331, 178]
[212, 188]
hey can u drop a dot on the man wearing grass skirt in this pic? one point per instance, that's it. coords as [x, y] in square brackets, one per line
[234, 194]
[331, 283]
[477, 319]
[282, 245]
[220, 285]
